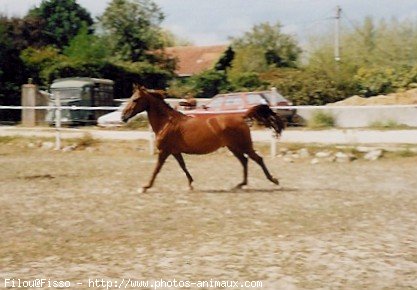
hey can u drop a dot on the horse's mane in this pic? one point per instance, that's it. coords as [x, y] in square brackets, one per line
[157, 93]
[160, 96]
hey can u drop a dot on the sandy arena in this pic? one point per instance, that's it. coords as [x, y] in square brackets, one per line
[77, 215]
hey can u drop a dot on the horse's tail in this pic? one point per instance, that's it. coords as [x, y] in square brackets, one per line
[264, 115]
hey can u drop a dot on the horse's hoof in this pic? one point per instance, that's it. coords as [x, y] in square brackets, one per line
[190, 188]
[274, 180]
[142, 190]
[240, 186]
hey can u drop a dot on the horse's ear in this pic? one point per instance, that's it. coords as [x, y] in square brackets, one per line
[135, 87]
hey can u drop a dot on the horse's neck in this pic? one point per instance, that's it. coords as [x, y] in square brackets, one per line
[159, 115]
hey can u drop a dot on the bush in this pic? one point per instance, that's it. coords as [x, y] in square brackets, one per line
[321, 119]
[375, 81]
[87, 140]
[405, 153]
[209, 83]
[306, 87]
[388, 124]
[178, 88]
[122, 73]
[248, 81]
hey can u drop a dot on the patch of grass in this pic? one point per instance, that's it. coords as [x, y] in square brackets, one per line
[321, 120]
[294, 146]
[387, 125]
[7, 139]
[405, 153]
[87, 140]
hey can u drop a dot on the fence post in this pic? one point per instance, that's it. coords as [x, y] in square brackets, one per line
[57, 121]
[273, 145]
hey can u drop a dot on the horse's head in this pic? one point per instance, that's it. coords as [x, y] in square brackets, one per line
[138, 103]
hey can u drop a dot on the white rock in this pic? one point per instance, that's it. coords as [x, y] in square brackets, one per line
[90, 149]
[343, 157]
[314, 161]
[331, 158]
[47, 145]
[373, 155]
[288, 159]
[363, 149]
[303, 153]
[340, 155]
[69, 148]
[31, 145]
[323, 154]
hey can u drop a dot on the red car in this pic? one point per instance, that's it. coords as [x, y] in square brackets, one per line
[239, 103]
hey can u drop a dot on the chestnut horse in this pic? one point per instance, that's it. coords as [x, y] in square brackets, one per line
[177, 133]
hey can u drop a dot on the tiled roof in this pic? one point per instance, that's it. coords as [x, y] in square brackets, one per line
[195, 59]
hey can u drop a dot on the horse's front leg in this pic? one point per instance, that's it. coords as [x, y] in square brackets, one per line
[162, 157]
[181, 162]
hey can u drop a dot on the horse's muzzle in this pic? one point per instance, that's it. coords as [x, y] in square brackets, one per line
[125, 119]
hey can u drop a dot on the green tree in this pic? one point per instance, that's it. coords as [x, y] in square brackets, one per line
[123, 73]
[208, 83]
[277, 48]
[305, 86]
[133, 26]
[249, 81]
[377, 58]
[86, 47]
[170, 39]
[225, 61]
[39, 60]
[13, 72]
[24, 32]
[247, 59]
[62, 20]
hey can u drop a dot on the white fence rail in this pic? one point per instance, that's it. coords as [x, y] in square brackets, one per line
[58, 110]
[75, 108]
[346, 116]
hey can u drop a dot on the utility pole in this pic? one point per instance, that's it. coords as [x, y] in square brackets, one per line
[337, 35]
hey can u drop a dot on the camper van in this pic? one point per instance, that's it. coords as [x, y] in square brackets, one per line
[78, 91]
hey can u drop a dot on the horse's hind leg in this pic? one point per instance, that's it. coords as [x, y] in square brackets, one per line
[162, 157]
[258, 159]
[181, 162]
[244, 161]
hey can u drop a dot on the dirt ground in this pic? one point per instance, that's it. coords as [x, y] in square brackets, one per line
[401, 98]
[77, 215]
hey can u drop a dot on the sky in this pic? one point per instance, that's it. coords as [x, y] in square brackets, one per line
[211, 22]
